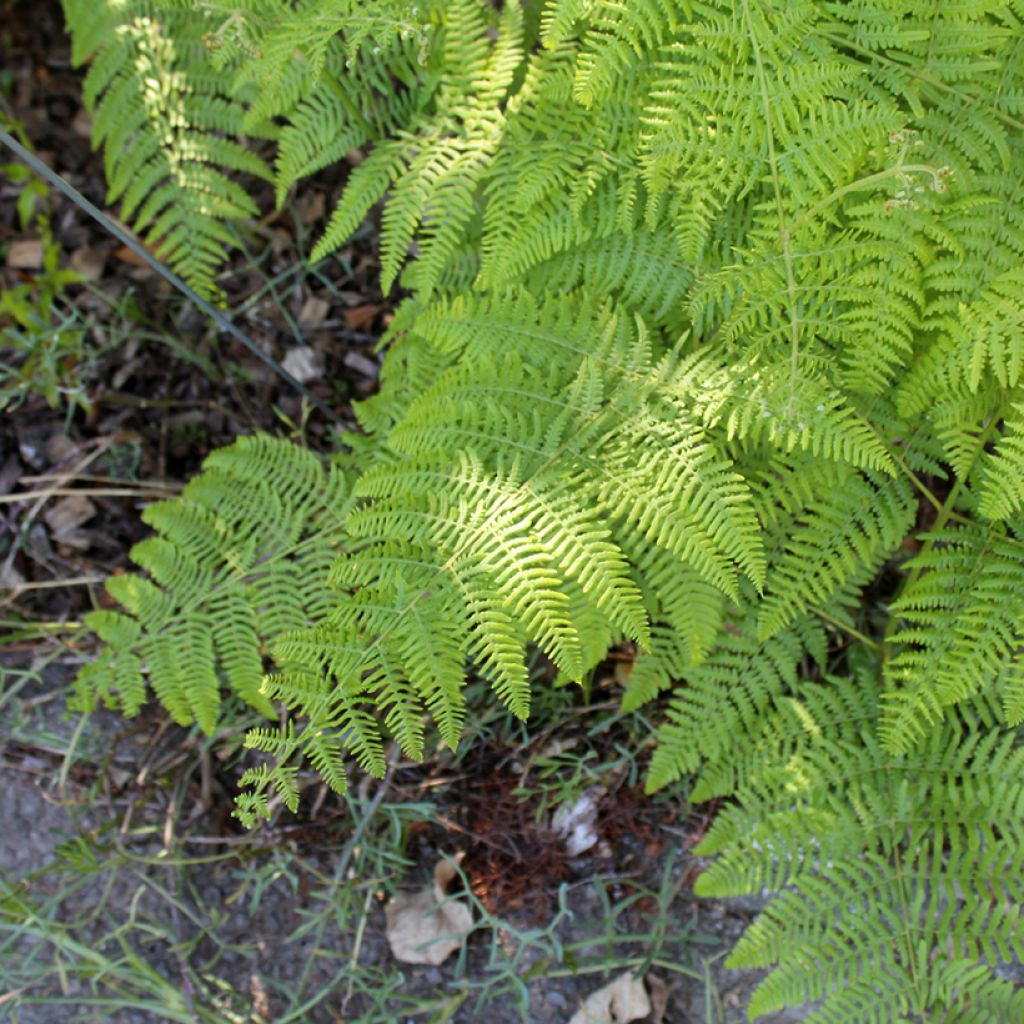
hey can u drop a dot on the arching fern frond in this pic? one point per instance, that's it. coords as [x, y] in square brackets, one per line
[166, 120]
[523, 492]
[840, 539]
[1002, 491]
[728, 695]
[240, 558]
[961, 632]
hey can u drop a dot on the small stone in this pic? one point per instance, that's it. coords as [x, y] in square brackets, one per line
[304, 363]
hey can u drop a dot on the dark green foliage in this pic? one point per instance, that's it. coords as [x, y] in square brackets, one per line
[712, 347]
[898, 873]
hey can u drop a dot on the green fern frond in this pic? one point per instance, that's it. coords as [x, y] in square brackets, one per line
[992, 328]
[881, 858]
[727, 695]
[960, 632]
[115, 680]
[366, 186]
[165, 118]
[351, 106]
[713, 305]
[1002, 489]
[240, 558]
[839, 539]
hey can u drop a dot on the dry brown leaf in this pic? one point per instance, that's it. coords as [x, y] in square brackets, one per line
[358, 317]
[621, 1000]
[81, 125]
[425, 927]
[126, 254]
[60, 448]
[10, 578]
[362, 364]
[88, 262]
[311, 207]
[64, 517]
[658, 992]
[25, 254]
[314, 310]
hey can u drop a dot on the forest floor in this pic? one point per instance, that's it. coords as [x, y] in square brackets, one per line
[127, 890]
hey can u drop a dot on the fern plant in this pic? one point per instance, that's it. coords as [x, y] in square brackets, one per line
[711, 348]
[167, 125]
[239, 559]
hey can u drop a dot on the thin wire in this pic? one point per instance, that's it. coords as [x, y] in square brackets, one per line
[115, 229]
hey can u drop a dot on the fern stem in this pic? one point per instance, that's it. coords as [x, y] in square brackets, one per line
[863, 184]
[913, 477]
[784, 232]
[901, 890]
[846, 628]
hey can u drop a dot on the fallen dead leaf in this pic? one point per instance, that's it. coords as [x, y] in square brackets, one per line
[25, 254]
[575, 821]
[64, 517]
[303, 363]
[358, 317]
[363, 364]
[60, 448]
[311, 207]
[658, 991]
[88, 262]
[9, 473]
[621, 1000]
[314, 310]
[81, 125]
[426, 927]
[10, 578]
[126, 254]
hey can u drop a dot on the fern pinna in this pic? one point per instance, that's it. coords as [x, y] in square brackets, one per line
[712, 346]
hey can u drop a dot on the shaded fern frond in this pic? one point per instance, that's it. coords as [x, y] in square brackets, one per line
[729, 694]
[840, 539]
[881, 858]
[961, 632]
[1002, 490]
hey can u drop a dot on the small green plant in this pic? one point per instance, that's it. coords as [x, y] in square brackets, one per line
[42, 338]
[711, 351]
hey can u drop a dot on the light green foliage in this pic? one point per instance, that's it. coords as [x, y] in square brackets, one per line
[165, 121]
[712, 347]
[239, 559]
[42, 342]
[900, 872]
